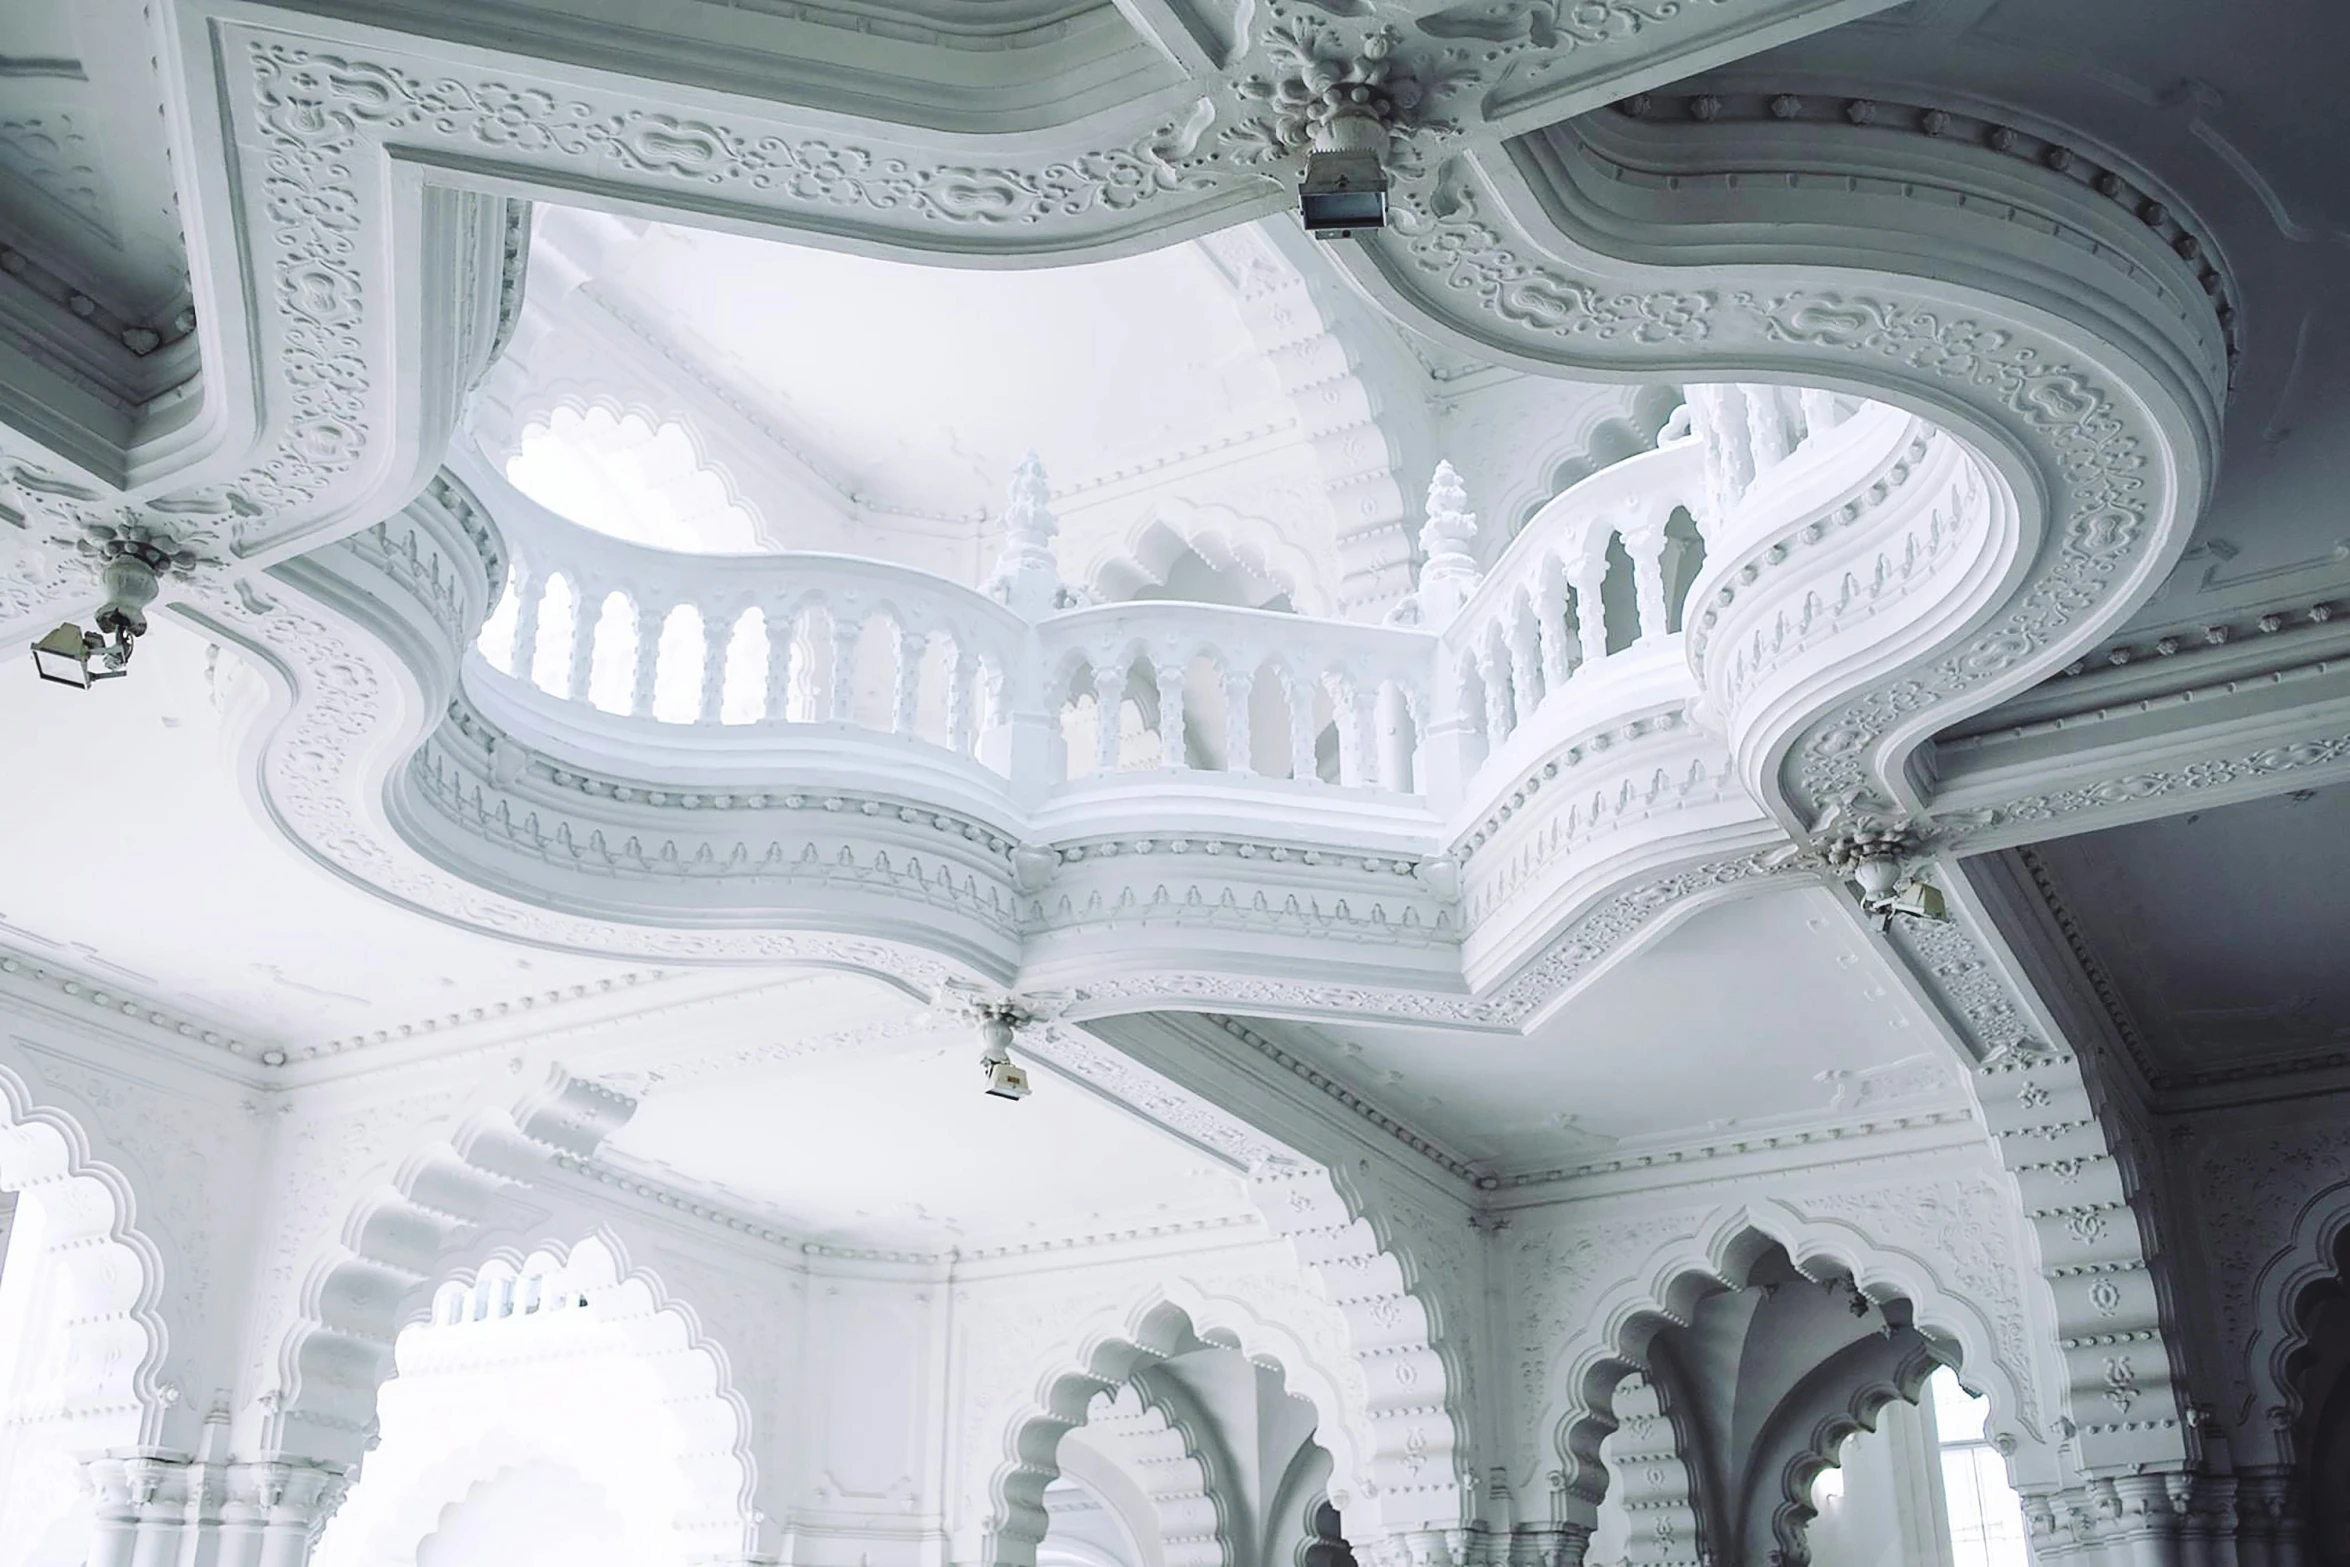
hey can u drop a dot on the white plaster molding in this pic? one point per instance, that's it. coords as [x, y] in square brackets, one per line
[2273, 1207]
[688, 1371]
[1942, 1245]
[2060, 1148]
[112, 1392]
[335, 1292]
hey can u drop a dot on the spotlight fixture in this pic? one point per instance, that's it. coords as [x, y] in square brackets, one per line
[1005, 1079]
[70, 656]
[1344, 190]
[1871, 861]
[999, 1018]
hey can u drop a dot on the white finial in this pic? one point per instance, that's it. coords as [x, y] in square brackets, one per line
[1448, 540]
[1451, 529]
[1027, 577]
[1028, 518]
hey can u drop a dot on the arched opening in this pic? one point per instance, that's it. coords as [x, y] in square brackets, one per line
[1619, 596]
[1721, 1417]
[2317, 1380]
[1682, 560]
[557, 1380]
[1184, 1452]
[677, 676]
[743, 694]
[550, 651]
[625, 475]
[81, 1339]
[495, 640]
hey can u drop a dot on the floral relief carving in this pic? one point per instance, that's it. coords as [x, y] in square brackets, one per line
[326, 101]
[2253, 1188]
[2192, 778]
[1971, 988]
[1447, 236]
[1957, 1228]
[2102, 510]
[1556, 1273]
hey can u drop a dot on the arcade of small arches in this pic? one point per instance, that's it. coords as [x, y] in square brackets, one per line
[858, 824]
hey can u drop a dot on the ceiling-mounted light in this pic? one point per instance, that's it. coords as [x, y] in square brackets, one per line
[1872, 859]
[1005, 1079]
[1344, 190]
[70, 656]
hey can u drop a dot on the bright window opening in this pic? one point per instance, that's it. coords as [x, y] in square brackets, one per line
[631, 479]
[1986, 1516]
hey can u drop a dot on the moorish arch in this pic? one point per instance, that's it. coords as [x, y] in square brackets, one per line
[1661, 1289]
[1738, 1409]
[103, 1379]
[1140, 1464]
[673, 1404]
[1250, 559]
[2293, 1300]
[1181, 1318]
[444, 1188]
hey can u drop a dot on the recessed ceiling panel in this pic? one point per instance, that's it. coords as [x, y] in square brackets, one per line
[2221, 930]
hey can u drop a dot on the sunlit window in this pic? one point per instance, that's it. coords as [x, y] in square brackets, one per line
[1827, 1488]
[1986, 1517]
[629, 478]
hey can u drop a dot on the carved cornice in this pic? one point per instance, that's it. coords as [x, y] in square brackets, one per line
[1426, 1147]
[2124, 1022]
[117, 1000]
[2048, 152]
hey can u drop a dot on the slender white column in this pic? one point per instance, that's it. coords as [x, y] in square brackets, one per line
[1109, 694]
[1171, 741]
[906, 689]
[1239, 688]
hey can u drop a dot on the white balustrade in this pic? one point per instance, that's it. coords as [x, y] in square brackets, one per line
[1540, 617]
[1243, 692]
[1601, 570]
[1088, 693]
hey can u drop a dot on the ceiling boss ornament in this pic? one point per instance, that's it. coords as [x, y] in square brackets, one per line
[130, 550]
[1343, 105]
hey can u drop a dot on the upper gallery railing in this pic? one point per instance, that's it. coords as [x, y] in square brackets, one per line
[596, 638]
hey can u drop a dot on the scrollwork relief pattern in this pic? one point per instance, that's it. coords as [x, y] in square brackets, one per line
[1447, 237]
[2101, 512]
[2254, 1188]
[1959, 1229]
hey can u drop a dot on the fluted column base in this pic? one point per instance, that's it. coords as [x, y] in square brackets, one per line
[2168, 1520]
[157, 1511]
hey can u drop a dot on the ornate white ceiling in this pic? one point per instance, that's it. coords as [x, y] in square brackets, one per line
[917, 389]
[2224, 102]
[1763, 1016]
[886, 1142]
[139, 861]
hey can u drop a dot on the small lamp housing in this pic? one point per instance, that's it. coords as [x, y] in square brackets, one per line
[1344, 192]
[63, 656]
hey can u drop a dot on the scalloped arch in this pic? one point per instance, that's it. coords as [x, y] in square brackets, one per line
[2312, 1259]
[1259, 546]
[110, 1392]
[403, 1228]
[1719, 1255]
[1174, 1318]
[1815, 1450]
[537, 414]
[689, 1369]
